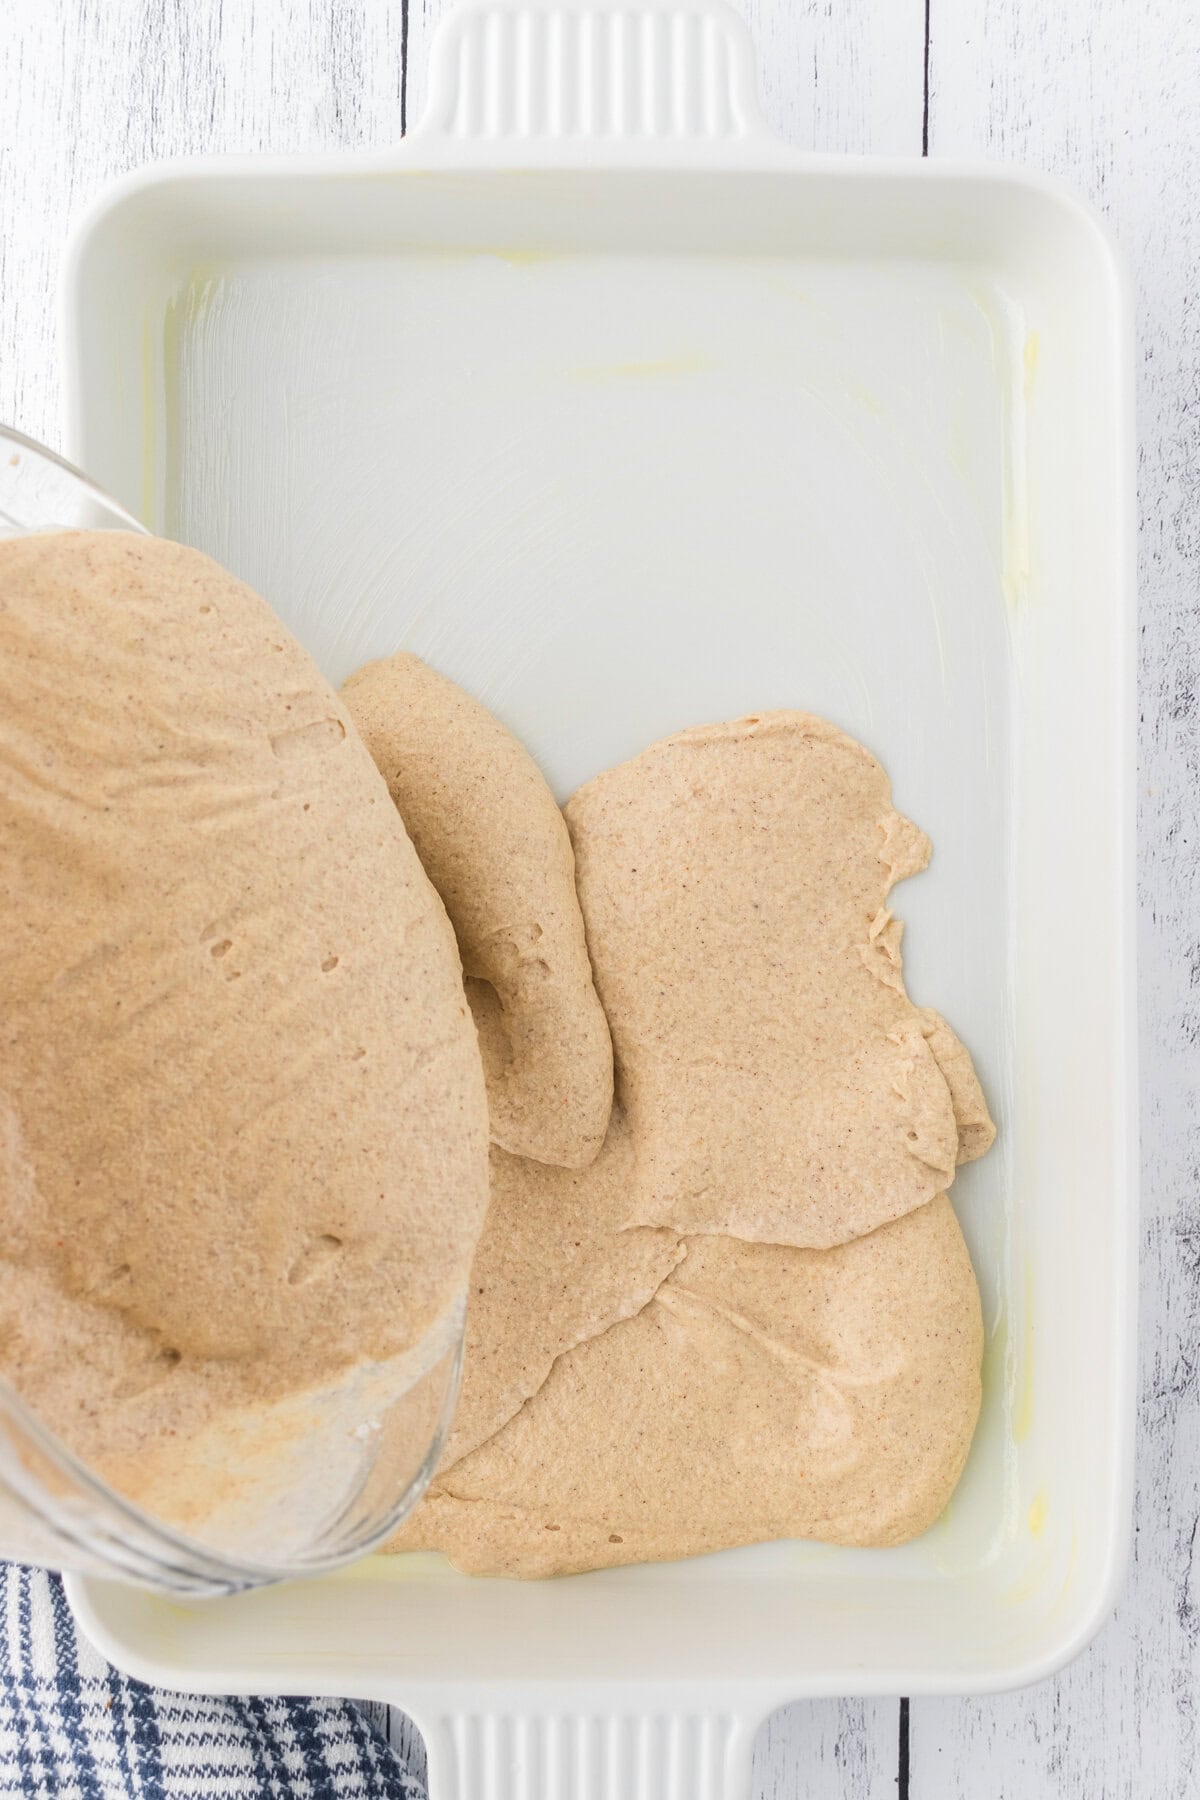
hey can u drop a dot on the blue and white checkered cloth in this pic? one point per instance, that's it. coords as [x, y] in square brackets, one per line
[72, 1728]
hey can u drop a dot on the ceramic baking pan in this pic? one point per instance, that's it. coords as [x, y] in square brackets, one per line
[628, 417]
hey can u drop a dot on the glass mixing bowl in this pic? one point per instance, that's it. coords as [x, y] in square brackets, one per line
[314, 1482]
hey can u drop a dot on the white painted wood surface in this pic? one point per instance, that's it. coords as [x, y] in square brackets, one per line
[1106, 95]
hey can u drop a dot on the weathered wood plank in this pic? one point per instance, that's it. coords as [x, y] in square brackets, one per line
[829, 1750]
[1105, 95]
[842, 75]
[92, 88]
[407, 1742]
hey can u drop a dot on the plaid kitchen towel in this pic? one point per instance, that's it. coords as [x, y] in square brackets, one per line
[71, 1728]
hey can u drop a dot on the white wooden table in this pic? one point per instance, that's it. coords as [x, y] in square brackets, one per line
[1107, 94]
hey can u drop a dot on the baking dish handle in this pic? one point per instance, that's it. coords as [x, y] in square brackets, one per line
[581, 1752]
[602, 85]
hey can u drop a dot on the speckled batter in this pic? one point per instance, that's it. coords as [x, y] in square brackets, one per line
[764, 1392]
[492, 841]
[243, 1126]
[552, 1268]
[779, 1083]
[811, 1367]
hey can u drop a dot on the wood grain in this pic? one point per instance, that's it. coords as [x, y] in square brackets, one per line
[92, 88]
[829, 1750]
[1104, 95]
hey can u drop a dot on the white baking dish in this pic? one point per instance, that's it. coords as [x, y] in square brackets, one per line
[628, 417]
